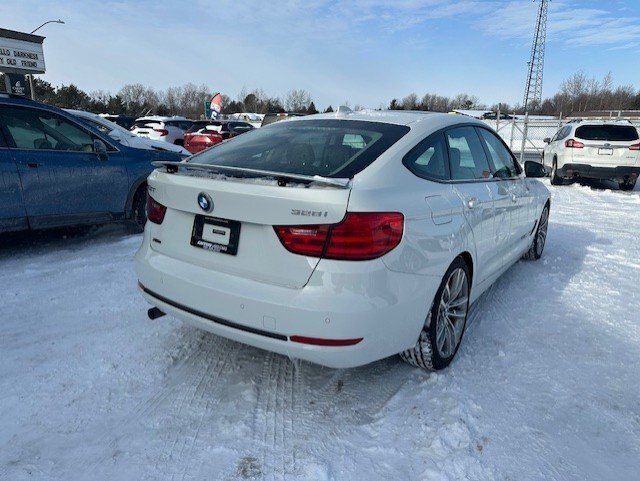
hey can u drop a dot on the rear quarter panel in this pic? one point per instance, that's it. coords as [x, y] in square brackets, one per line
[435, 232]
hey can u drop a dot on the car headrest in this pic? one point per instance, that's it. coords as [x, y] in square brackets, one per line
[455, 157]
[42, 144]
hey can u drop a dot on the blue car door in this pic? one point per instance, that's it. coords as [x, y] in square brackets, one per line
[12, 212]
[63, 180]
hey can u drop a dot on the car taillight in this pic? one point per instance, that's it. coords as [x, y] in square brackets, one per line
[573, 144]
[307, 240]
[359, 236]
[635, 147]
[162, 132]
[155, 210]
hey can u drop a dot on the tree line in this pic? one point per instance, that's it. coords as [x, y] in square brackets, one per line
[188, 100]
[578, 93]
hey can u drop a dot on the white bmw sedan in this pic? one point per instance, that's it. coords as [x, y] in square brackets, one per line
[341, 238]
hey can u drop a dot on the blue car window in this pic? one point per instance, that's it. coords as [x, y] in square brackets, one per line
[33, 129]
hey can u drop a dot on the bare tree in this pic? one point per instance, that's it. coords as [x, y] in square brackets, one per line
[297, 100]
[410, 102]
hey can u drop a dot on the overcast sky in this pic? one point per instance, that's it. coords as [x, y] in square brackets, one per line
[364, 51]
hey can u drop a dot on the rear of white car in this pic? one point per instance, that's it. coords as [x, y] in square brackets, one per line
[163, 129]
[328, 238]
[283, 263]
[598, 150]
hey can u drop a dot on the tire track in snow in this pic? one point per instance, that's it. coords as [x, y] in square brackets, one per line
[187, 357]
[274, 417]
[199, 378]
[340, 407]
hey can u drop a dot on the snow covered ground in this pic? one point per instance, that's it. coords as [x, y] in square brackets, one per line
[545, 386]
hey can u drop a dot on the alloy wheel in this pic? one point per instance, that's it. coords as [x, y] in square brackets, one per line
[542, 231]
[452, 313]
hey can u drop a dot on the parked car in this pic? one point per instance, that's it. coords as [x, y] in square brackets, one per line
[124, 121]
[341, 238]
[122, 135]
[165, 129]
[207, 133]
[56, 171]
[607, 150]
[273, 117]
[249, 117]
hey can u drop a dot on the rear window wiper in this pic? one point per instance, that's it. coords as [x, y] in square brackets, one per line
[282, 178]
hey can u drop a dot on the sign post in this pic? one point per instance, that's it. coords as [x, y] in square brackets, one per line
[20, 54]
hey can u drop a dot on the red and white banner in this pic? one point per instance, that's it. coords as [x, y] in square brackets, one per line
[216, 105]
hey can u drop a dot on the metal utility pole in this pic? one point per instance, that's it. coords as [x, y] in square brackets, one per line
[533, 90]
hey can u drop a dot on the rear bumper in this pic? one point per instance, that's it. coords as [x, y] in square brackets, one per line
[598, 172]
[341, 301]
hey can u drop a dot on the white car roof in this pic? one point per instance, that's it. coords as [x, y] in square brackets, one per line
[398, 117]
[580, 122]
[161, 118]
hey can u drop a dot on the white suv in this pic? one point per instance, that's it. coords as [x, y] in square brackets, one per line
[608, 150]
[166, 129]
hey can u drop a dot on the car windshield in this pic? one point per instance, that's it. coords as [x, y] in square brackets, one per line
[145, 123]
[107, 127]
[272, 118]
[201, 124]
[614, 133]
[329, 148]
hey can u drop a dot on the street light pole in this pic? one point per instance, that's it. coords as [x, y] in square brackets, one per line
[48, 21]
[33, 94]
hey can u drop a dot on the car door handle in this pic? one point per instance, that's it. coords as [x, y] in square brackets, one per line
[33, 165]
[472, 203]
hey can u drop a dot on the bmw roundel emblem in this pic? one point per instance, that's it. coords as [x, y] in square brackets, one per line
[205, 202]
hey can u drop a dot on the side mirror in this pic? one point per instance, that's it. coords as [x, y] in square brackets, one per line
[100, 149]
[534, 169]
[547, 140]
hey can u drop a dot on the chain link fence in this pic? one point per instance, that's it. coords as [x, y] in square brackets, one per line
[525, 136]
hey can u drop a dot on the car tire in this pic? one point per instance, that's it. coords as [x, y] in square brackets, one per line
[555, 178]
[627, 185]
[429, 352]
[540, 238]
[139, 208]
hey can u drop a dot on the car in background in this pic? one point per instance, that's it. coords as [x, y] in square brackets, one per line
[249, 117]
[342, 238]
[122, 135]
[57, 171]
[605, 150]
[207, 133]
[124, 121]
[273, 117]
[165, 129]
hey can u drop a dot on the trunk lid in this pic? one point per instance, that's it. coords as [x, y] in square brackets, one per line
[607, 144]
[607, 153]
[256, 204]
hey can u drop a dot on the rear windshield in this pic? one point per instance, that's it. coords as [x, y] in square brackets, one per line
[272, 118]
[201, 124]
[144, 123]
[616, 133]
[330, 148]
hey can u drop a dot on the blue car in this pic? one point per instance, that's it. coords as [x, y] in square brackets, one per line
[56, 171]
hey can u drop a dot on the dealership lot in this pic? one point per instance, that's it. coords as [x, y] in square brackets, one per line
[545, 385]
